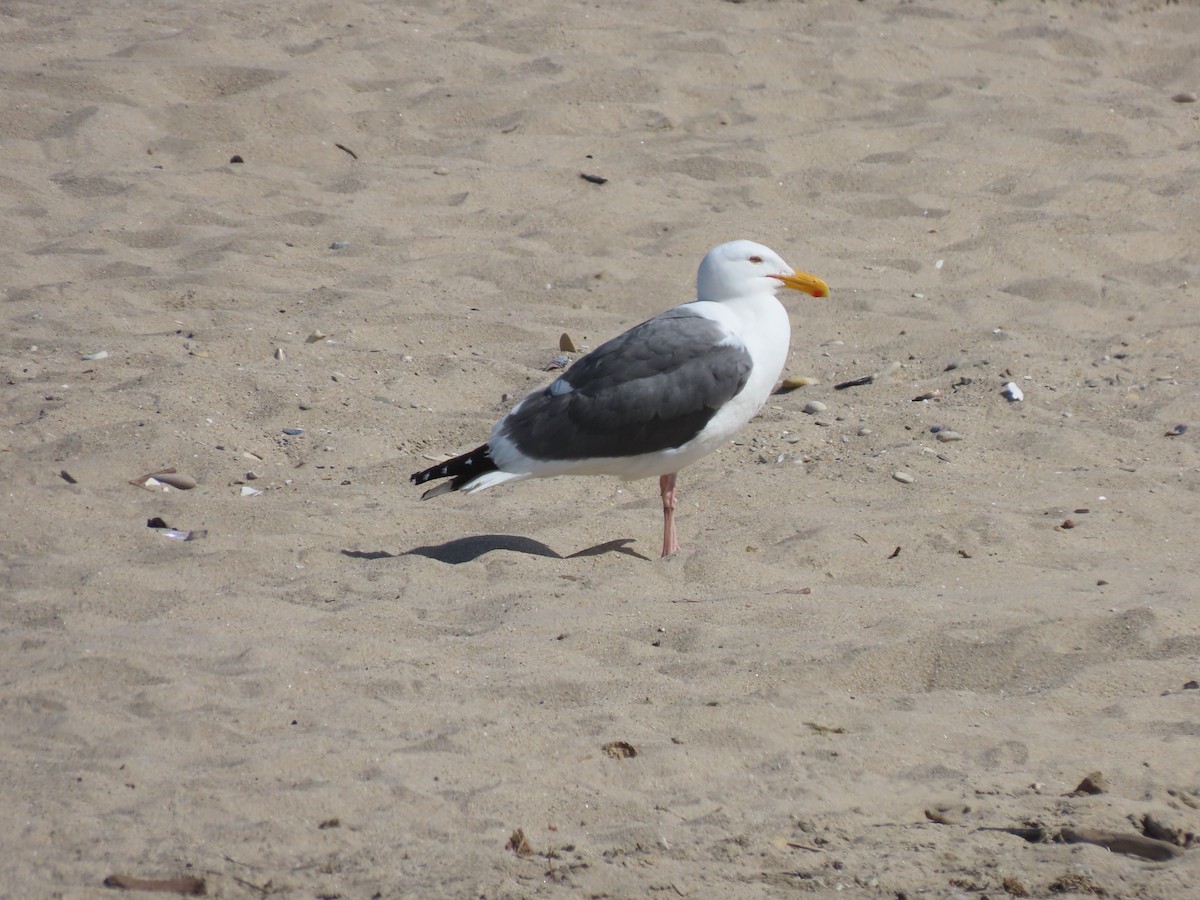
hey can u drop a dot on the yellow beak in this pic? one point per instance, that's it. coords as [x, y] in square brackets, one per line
[802, 281]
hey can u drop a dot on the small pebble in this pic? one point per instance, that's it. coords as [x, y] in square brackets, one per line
[812, 407]
[293, 432]
[947, 436]
[903, 477]
[280, 354]
[864, 431]
[1177, 431]
[558, 362]
[1013, 393]
[236, 159]
[314, 337]
[251, 476]
[928, 395]
[1185, 97]
[934, 429]
[890, 369]
[339, 245]
[248, 491]
[565, 344]
[92, 357]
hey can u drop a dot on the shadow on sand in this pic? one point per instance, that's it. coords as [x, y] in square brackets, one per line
[461, 550]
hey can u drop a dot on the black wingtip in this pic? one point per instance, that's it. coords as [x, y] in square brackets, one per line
[462, 470]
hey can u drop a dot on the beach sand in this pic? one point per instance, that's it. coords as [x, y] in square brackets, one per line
[846, 683]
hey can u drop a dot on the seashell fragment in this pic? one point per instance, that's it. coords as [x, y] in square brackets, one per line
[180, 482]
[798, 381]
[890, 369]
[1013, 393]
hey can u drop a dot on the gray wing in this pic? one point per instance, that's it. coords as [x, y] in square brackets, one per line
[652, 388]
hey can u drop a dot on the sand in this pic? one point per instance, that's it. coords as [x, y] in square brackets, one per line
[845, 684]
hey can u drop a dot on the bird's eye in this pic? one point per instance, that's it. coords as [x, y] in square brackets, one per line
[756, 259]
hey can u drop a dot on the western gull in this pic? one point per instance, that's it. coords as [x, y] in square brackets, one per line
[656, 398]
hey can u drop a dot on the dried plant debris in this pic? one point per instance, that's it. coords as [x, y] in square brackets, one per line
[1014, 888]
[519, 844]
[1076, 883]
[619, 750]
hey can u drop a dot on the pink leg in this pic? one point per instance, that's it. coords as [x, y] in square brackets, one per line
[666, 485]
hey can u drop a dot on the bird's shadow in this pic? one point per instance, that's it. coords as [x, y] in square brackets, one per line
[466, 549]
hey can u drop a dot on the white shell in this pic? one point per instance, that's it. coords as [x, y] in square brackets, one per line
[1013, 393]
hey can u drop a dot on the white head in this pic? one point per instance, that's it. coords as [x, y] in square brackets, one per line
[742, 268]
